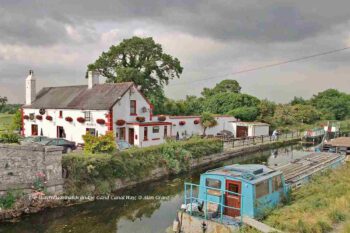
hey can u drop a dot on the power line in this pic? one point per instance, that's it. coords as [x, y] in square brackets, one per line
[268, 66]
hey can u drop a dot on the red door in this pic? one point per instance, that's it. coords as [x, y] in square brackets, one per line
[242, 131]
[34, 130]
[233, 200]
[131, 136]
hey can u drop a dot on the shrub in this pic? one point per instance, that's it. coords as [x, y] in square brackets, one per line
[8, 200]
[99, 144]
[9, 138]
[135, 163]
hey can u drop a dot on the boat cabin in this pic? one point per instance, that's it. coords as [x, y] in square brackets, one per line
[240, 190]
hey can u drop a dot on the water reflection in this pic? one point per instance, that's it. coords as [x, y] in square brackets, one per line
[137, 216]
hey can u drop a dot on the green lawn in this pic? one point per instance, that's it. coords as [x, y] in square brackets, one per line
[5, 121]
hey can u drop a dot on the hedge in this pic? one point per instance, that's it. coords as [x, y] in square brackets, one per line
[100, 170]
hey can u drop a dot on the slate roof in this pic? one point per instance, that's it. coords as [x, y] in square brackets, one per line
[99, 97]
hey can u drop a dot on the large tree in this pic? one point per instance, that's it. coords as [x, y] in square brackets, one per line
[141, 61]
[225, 86]
[333, 103]
[3, 101]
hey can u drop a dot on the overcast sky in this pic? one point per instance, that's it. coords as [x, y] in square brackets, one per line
[211, 38]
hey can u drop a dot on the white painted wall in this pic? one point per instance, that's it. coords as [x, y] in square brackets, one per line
[189, 129]
[254, 128]
[74, 130]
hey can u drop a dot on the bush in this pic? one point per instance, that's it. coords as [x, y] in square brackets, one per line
[99, 144]
[9, 138]
[8, 200]
[135, 163]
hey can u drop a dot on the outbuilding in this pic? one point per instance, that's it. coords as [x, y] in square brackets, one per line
[250, 129]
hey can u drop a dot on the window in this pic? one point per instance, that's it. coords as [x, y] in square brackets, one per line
[213, 183]
[91, 131]
[233, 188]
[165, 131]
[262, 189]
[155, 129]
[60, 114]
[132, 107]
[145, 133]
[276, 183]
[87, 116]
[122, 133]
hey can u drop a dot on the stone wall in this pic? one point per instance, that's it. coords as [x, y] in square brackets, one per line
[19, 166]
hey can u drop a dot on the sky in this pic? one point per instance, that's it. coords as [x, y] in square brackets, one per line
[212, 39]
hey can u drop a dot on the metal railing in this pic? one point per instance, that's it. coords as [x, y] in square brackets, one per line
[229, 143]
[221, 204]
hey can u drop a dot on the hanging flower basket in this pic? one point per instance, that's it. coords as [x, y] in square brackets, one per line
[39, 117]
[101, 121]
[182, 123]
[26, 117]
[69, 119]
[196, 122]
[120, 122]
[140, 119]
[49, 118]
[161, 118]
[81, 119]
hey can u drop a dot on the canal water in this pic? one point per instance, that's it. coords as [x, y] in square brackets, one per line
[147, 208]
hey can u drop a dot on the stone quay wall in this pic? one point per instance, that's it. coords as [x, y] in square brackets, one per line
[20, 164]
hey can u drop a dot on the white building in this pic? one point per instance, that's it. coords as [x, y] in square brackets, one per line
[72, 111]
[250, 129]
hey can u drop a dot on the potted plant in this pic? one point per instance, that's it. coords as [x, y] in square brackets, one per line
[161, 118]
[81, 119]
[26, 117]
[49, 118]
[196, 121]
[140, 119]
[101, 121]
[39, 117]
[182, 123]
[120, 122]
[69, 119]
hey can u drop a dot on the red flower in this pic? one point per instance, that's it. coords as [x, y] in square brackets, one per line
[182, 123]
[81, 119]
[161, 118]
[120, 122]
[26, 117]
[101, 121]
[49, 118]
[39, 117]
[140, 119]
[69, 119]
[196, 122]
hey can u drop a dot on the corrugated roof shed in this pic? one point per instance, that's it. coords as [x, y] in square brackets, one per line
[99, 97]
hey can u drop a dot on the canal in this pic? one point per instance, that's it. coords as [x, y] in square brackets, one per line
[147, 208]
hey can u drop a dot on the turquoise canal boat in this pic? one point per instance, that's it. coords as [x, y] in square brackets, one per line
[237, 190]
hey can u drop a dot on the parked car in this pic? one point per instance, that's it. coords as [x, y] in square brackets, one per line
[68, 146]
[29, 140]
[123, 145]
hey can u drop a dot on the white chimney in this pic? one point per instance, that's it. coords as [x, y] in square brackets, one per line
[92, 78]
[30, 88]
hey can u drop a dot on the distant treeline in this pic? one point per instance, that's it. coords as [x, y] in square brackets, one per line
[9, 108]
[226, 98]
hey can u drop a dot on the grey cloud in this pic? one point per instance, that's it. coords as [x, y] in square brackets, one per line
[253, 21]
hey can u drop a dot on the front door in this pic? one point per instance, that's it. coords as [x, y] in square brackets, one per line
[233, 199]
[60, 132]
[34, 130]
[131, 136]
[242, 131]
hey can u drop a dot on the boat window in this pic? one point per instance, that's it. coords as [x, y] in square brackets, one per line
[262, 188]
[276, 183]
[233, 188]
[213, 183]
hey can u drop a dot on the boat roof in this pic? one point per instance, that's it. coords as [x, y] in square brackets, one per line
[250, 173]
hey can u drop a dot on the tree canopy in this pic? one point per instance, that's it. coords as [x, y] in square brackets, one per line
[225, 86]
[141, 61]
[207, 121]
